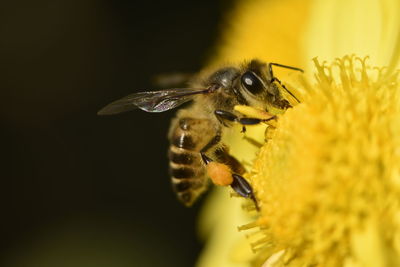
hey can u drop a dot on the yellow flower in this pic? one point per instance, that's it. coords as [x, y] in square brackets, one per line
[328, 180]
[328, 177]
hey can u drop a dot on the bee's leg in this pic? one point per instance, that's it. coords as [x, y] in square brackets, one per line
[222, 155]
[243, 188]
[221, 173]
[223, 116]
[211, 144]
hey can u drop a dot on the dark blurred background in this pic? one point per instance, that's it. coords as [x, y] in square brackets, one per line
[78, 189]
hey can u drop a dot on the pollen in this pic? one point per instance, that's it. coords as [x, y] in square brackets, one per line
[253, 112]
[220, 174]
[328, 179]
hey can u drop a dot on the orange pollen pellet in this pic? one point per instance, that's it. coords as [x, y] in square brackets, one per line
[219, 173]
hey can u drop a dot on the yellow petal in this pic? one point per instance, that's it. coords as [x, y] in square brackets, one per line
[363, 27]
[267, 30]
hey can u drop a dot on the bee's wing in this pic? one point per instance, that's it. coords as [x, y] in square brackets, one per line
[153, 101]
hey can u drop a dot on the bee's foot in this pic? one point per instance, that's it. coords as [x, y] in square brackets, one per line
[241, 186]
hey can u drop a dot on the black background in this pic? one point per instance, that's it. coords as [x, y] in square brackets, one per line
[78, 189]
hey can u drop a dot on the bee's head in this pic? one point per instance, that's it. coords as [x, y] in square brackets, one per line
[253, 84]
[257, 86]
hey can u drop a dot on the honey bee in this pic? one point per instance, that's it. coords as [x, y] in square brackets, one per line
[196, 153]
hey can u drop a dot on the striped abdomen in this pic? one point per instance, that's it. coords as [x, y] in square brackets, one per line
[188, 175]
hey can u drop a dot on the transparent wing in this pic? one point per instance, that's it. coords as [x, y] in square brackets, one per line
[153, 101]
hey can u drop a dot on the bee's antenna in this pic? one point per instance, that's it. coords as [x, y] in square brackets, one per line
[283, 66]
[276, 79]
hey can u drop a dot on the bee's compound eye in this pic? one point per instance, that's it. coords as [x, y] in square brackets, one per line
[252, 83]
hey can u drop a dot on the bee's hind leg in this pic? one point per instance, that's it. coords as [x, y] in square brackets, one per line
[210, 145]
[226, 173]
[243, 188]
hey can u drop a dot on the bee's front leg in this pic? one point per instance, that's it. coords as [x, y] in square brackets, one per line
[226, 116]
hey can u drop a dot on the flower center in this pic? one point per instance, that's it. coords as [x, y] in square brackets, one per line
[329, 172]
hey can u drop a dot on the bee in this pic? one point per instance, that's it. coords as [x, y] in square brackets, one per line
[196, 152]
